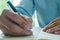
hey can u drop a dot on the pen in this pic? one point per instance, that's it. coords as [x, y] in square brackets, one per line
[14, 9]
[11, 5]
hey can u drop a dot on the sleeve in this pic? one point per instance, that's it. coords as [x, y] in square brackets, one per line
[58, 5]
[26, 7]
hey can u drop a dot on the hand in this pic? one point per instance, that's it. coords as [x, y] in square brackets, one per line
[14, 24]
[53, 27]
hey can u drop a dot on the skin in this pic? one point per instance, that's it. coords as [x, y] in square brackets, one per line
[53, 27]
[13, 24]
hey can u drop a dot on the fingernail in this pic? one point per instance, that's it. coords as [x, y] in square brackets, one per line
[28, 26]
[56, 32]
[49, 31]
[25, 27]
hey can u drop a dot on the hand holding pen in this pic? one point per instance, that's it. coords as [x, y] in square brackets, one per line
[14, 9]
[13, 24]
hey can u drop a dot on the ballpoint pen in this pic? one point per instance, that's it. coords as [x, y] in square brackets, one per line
[12, 7]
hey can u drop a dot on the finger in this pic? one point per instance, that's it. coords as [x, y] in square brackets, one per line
[29, 26]
[27, 18]
[12, 16]
[57, 32]
[49, 26]
[14, 31]
[28, 21]
[8, 23]
[52, 30]
[12, 27]
[5, 29]
[24, 24]
[54, 22]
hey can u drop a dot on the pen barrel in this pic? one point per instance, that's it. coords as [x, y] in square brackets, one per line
[11, 5]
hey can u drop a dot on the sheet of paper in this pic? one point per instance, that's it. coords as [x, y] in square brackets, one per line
[47, 36]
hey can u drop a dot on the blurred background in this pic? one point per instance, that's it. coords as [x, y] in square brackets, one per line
[3, 4]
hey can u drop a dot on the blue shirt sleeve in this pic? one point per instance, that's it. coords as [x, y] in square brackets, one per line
[26, 7]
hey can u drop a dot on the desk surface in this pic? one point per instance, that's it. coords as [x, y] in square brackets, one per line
[35, 30]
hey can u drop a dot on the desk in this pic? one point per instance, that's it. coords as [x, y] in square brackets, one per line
[35, 30]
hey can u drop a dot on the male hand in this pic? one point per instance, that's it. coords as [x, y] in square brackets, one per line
[53, 27]
[13, 24]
